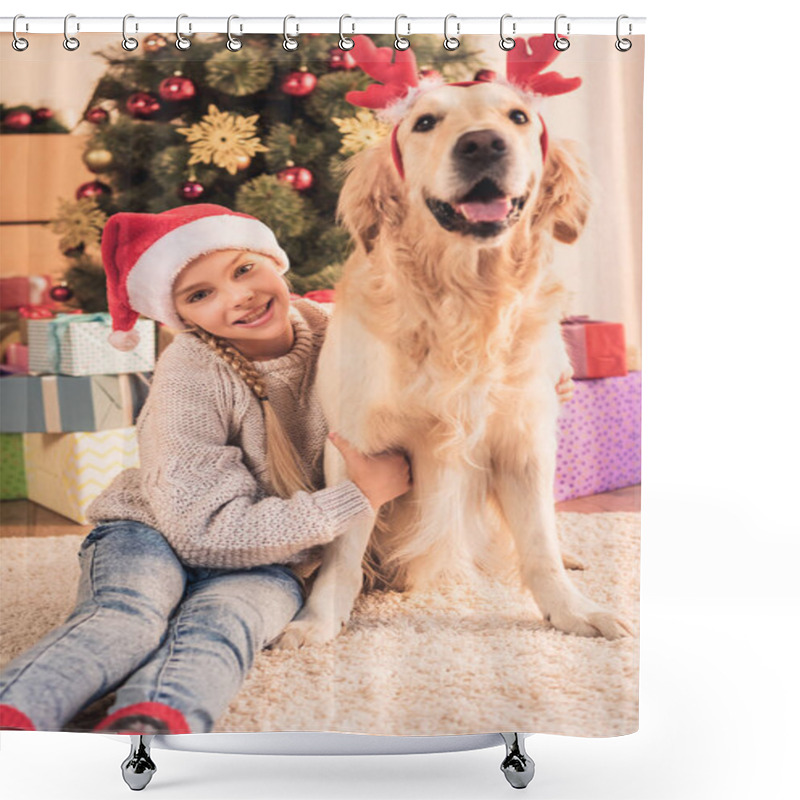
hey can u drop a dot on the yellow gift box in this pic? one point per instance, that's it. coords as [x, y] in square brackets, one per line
[66, 471]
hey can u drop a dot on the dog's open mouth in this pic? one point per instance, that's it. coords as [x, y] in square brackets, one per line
[484, 211]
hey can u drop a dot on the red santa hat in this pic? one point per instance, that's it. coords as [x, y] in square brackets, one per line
[144, 253]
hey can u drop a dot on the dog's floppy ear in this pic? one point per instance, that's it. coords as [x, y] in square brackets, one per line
[563, 203]
[371, 198]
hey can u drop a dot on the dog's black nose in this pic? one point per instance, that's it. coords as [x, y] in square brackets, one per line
[482, 147]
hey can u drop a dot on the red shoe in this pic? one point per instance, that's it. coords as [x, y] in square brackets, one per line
[12, 719]
[144, 719]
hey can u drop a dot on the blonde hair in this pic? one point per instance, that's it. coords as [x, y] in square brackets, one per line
[285, 469]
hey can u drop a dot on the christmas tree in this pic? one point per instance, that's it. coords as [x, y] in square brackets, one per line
[258, 130]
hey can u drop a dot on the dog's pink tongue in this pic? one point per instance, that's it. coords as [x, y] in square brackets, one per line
[493, 211]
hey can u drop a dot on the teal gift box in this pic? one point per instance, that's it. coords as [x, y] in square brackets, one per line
[77, 344]
[67, 404]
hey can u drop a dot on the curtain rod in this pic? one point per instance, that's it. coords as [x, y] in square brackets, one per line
[298, 25]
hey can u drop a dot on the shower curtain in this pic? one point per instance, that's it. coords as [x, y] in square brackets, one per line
[448, 637]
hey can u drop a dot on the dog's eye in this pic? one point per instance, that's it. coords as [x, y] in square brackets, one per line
[520, 117]
[424, 123]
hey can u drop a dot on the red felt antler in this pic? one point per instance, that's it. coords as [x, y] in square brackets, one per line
[525, 70]
[395, 69]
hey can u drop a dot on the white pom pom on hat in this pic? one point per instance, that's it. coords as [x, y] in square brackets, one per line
[124, 340]
[144, 253]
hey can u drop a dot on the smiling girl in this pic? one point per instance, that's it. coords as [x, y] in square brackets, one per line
[198, 556]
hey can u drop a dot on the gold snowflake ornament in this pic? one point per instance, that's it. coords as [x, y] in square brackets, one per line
[360, 131]
[79, 223]
[222, 138]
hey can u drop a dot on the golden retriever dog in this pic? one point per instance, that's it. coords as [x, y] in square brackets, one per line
[445, 343]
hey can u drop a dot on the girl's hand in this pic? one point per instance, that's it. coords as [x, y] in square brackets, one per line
[565, 387]
[381, 477]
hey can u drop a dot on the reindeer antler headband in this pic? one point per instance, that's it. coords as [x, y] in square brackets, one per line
[397, 72]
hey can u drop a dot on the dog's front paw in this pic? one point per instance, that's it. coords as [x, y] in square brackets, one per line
[571, 612]
[306, 633]
[599, 622]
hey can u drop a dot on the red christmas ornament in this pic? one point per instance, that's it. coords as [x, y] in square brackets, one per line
[92, 189]
[299, 84]
[97, 116]
[17, 120]
[341, 59]
[485, 75]
[192, 190]
[298, 178]
[142, 105]
[61, 294]
[43, 114]
[176, 89]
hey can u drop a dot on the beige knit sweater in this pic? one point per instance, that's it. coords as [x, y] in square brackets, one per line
[203, 480]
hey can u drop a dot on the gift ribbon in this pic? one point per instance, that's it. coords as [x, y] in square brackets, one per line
[56, 329]
[52, 408]
[39, 286]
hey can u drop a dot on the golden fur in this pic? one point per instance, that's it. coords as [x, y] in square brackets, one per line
[448, 346]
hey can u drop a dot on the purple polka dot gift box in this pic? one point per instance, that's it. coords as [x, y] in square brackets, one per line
[600, 437]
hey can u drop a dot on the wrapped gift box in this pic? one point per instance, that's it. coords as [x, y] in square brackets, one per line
[599, 437]
[25, 290]
[596, 349]
[66, 471]
[12, 467]
[16, 357]
[77, 344]
[10, 332]
[65, 404]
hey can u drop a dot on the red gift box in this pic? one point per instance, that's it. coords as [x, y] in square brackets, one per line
[26, 291]
[596, 349]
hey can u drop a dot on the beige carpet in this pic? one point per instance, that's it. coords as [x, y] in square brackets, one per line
[467, 659]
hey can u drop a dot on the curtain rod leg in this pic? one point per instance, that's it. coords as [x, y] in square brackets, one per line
[138, 768]
[517, 766]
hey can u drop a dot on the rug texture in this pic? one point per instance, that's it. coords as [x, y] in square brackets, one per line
[468, 658]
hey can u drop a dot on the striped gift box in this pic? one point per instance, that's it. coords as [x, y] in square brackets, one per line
[68, 404]
[77, 344]
[66, 471]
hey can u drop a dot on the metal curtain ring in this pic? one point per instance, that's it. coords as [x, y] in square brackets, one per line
[18, 44]
[128, 42]
[451, 42]
[507, 42]
[288, 42]
[233, 43]
[70, 42]
[560, 43]
[623, 45]
[399, 42]
[344, 42]
[181, 42]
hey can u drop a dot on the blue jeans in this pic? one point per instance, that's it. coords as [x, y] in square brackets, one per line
[152, 629]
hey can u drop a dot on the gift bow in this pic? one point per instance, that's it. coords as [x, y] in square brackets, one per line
[35, 312]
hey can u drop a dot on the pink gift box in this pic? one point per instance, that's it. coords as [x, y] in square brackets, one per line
[17, 356]
[600, 437]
